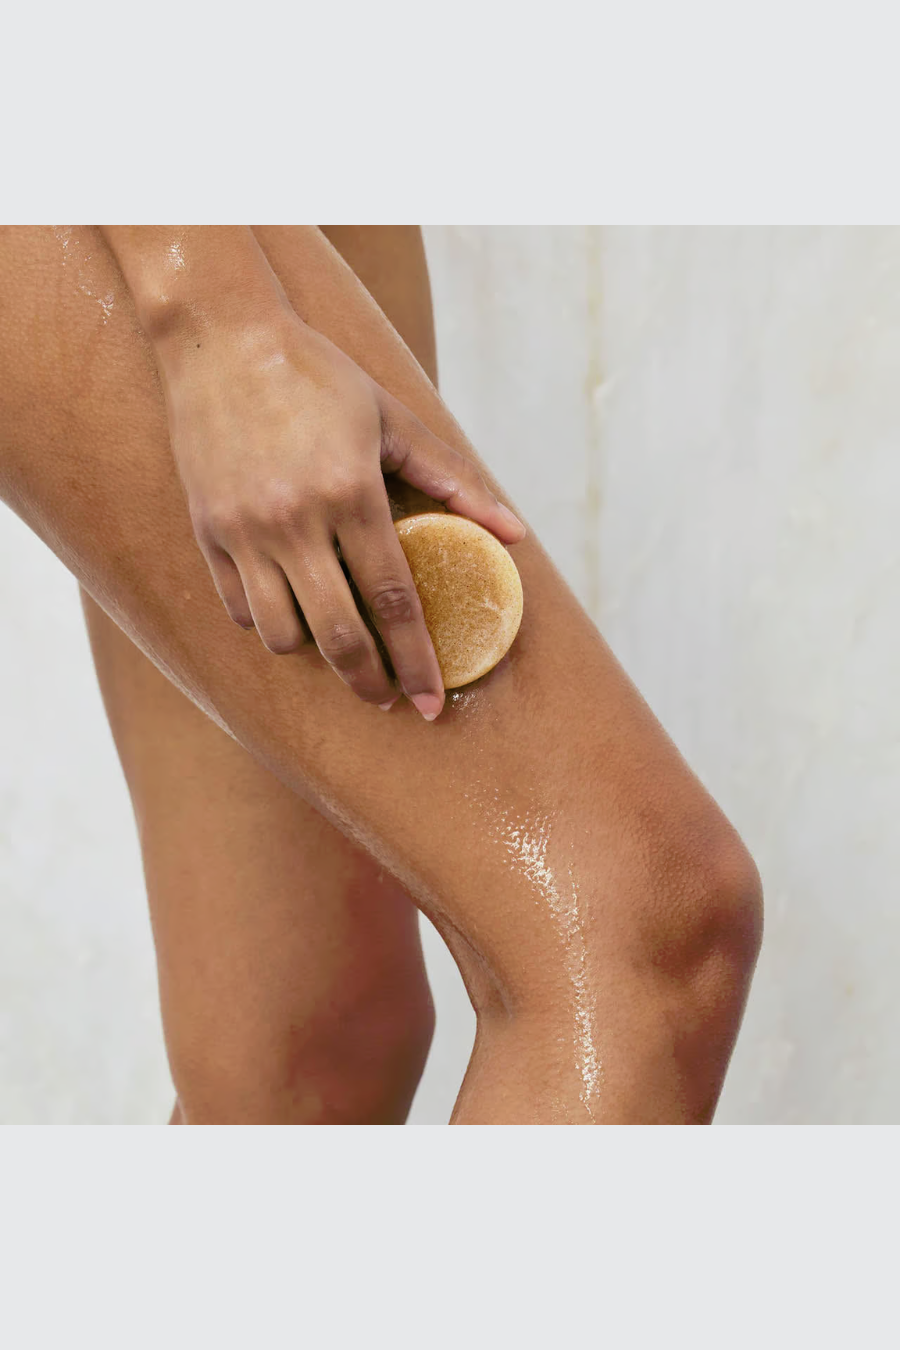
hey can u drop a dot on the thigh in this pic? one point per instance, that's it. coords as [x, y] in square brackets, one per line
[390, 262]
[542, 821]
[268, 922]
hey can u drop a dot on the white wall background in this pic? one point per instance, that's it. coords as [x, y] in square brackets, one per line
[704, 428]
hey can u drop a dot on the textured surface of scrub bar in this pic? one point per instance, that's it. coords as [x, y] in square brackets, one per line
[470, 590]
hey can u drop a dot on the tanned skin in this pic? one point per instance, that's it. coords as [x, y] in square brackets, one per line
[603, 913]
[290, 967]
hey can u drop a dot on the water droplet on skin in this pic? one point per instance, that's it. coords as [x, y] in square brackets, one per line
[81, 268]
[526, 835]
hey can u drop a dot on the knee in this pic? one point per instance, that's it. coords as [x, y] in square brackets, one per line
[703, 926]
[673, 911]
[694, 952]
[356, 1061]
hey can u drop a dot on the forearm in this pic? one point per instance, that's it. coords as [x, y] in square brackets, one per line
[189, 282]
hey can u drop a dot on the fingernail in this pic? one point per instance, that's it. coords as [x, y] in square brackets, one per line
[429, 705]
[386, 707]
[510, 519]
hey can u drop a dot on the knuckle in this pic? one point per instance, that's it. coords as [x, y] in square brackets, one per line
[393, 604]
[466, 474]
[224, 519]
[280, 505]
[281, 643]
[344, 491]
[343, 646]
[357, 507]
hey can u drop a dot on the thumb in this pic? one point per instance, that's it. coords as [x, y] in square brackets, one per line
[423, 460]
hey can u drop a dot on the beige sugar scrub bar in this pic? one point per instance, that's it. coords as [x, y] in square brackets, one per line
[470, 590]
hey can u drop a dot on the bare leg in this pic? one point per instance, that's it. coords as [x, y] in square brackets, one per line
[603, 913]
[291, 974]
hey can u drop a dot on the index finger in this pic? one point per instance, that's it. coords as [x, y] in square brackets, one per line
[377, 563]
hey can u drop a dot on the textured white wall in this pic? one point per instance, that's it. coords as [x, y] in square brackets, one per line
[703, 426]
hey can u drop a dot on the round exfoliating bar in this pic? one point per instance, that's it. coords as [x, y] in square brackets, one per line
[470, 591]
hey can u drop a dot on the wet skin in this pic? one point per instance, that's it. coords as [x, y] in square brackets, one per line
[602, 911]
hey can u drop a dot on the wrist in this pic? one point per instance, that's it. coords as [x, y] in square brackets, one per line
[195, 284]
[232, 318]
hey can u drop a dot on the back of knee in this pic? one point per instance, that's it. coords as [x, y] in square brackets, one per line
[356, 1061]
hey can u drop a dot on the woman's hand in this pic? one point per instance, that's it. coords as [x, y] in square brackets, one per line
[282, 443]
